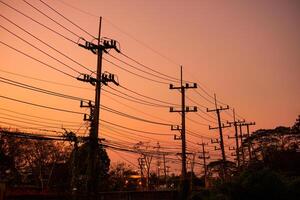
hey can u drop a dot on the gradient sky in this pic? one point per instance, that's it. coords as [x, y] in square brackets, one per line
[247, 52]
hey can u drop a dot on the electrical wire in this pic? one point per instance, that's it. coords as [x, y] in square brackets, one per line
[41, 24]
[138, 99]
[36, 89]
[31, 128]
[30, 120]
[45, 81]
[138, 75]
[67, 19]
[134, 92]
[37, 117]
[137, 110]
[18, 84]
[41, 106]
[45, 43]
[65, 73]
[40, 50]
[62, 26]
[31, 123]
[132, 100]
[132, 117]
[138, 69]
[124, 127]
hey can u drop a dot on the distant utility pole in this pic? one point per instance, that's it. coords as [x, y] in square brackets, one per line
[141, 161]
[204, 156]
[102, 45]
[242, 145]
[247, 124]
[158, 164]
[220, 127]
[236, 137]
[192, 169]
[183, 110]
[165, 168]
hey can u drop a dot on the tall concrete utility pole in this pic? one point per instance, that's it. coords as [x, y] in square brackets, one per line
[182, 137]
[247, 124]
[236, 137]
[93, 143]
[220, 127]
[204, 156]
[242, 145]
[93, 147]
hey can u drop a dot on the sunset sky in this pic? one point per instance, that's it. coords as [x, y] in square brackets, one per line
[247, 52]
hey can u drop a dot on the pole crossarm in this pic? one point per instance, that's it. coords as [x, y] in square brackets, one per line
[217, 109]
[222, 126]
[186, 109]
[213, 141]
[104, 45]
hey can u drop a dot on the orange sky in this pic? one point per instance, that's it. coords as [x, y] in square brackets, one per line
[245, 51]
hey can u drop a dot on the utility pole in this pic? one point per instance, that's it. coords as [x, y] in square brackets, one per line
[220, 127]
[102, 45]
[248, 135]
[141, 161]
[236, 137]
[158, 164]
[192, 169]
[165, 168]
[204, 157]
[242, 145]
[183, 110]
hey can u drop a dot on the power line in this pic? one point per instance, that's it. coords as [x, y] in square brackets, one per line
[134, 92]
[205, 118]
[41, 106]
[140, 131]
[121, 131]
[133, 100]
[29, 135]
[132, 117]
[38, 117]
[40, 50]
[67, 19]
[51, 123]
[30, 122]
[38, 22]
[174, 79]
[196, 122]
[36, 89]
[32, 128]
[137, 110]
[124, 158]
[200, 105]
[147, 46]
[45, 43]
[141, 100]
[78, 9]
[18, 84]
[45, 81]
[197, 134]
[143, 44]
[136, 68]
[65, 73]
[210, 101]
[141, 76]
[35, 8]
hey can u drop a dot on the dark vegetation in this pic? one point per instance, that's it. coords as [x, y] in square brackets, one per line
[273, 172]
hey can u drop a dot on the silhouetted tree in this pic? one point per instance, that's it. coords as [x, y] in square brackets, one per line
[121, 178]
[102, 167]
